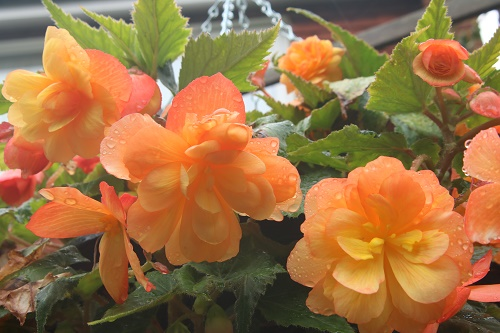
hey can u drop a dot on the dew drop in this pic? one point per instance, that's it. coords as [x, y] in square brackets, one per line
[274, 144]
[292, 177]
[122, 142]
[69, 201]
[47, 195]
[465, 247]
[110, 144]
[116, 131]
[460, 242]
[467, 143]
[460, 228]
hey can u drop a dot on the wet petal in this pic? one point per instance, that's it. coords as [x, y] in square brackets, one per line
[113, 265]
[203, 96]
[324, 194]
[485, 293]
[305, 268]
[482, 221]
[111, 201]
[321, 244]
[317, 302]
[135, 264]
[482, 157]
[362, 276]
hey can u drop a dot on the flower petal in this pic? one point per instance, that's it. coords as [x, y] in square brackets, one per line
[482, 221]
[113, 265]
[324, 194]
[425, 283]
[111, 201]
[135, 264]
[19, 81]
[482, 157]
[317, 302]
[362, 276]
[212, 228]
[305, 268]
[485, 293]
[203, 96]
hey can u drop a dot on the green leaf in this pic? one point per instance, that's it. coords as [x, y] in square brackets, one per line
[313, 95]
[167, 77]
[483, 59]
[415, 126]
[4, 103]
[322, 118]
[348, 90]
[427, 147]
[360, 58]
[56, 263]
[161, 31]
[87, 36]
[247, 276]
[123, 34]
[54, 292]
[396, 88]
[235, 55]
[350, 148]
[285, 304]
[286, 111]
[437, 21]
[91, 188]
[493, 80]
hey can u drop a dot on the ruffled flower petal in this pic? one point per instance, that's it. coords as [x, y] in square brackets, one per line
[482, 220]
[482, 157]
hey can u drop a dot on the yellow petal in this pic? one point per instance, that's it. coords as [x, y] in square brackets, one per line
[20, 81]
[362, 276]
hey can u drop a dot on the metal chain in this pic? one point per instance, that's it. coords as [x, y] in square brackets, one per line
[243, 20]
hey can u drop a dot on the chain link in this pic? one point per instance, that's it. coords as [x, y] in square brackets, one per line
[243, 20]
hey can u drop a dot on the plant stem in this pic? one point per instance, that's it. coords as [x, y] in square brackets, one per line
[473, 132]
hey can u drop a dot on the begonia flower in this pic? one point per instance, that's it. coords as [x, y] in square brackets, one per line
[25, 155]
[197, 172]
[486, 103]
[72, 214]
[440, 63]
[482, 161]
[382, 248]
[16, 189]
[312, 59]
[68, 106]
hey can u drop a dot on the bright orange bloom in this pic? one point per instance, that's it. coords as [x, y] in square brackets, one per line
[482, 161]
[16, 189]
[440, 63]
[486, 103]
[69, 105]
[382, 248]
[72, 214]
[312, 59]
[197, 172]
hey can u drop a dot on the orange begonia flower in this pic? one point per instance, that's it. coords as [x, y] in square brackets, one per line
[197, 172]
[312, 59]
[440, 63]
[69, 105]
[72, 214]
[482, 161]
[382, 248]
[16, 188]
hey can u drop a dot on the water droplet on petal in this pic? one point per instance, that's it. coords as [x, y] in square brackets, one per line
[467, 143]
[110, 144]
[69, 201]
[122, 142]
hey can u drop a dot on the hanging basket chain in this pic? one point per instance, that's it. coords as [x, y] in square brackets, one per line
[228, 7]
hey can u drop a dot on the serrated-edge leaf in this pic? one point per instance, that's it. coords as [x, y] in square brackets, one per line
[235, 55]
[161, 31]
[360, 59]
[124, 35]
[435, 17]
[313, 95]
[396, 88]
[286, 111]
[493, 80]
[341, 149]
[483, 59]
[87, 36]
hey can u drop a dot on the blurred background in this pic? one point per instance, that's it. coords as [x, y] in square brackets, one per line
[381, 23]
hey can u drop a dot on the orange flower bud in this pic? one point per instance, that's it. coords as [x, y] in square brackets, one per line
[312, 59]
[440, 63]
[486, 103]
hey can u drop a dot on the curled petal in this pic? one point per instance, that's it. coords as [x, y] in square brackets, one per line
[482, 157]
[135, 264]
[317, 302]
[362, 276]
[486, 103]
[111, 201]
[305, 268]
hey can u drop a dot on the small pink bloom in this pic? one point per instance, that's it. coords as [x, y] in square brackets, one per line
[145, 97]
[486, 103]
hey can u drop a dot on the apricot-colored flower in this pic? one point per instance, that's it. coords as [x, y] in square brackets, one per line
[486, 103]
[197, 172]
[440, 63]
[145, 97]
[382, 248]
[69, 105]
[312, 59]
[72, 214]
[25, 155]
[16, 189]
[482, 161]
